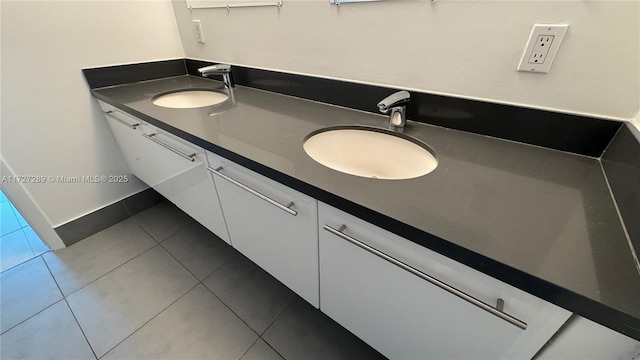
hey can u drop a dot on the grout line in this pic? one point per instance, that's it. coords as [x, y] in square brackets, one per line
[30, 317]
[230, 309]
[239, 254]
[39, 239]
[33, 256]
[19, 216]
[117, 267]
[29, 242]
[149, 233]
[159, 244]
[153, 317]
[80, 327]
[108, 272]
[53, 277]
[189, 223]
[179, 262]
[280, 314]
[249, 348]
[272, 348]
[199, 282]
[70, 309]
[11, 232]
[16, 214]
[143, 228]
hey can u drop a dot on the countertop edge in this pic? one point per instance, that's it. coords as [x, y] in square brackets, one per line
[572, 301]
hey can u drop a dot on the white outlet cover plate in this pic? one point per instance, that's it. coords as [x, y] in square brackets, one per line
[557, 31]
[197, 28]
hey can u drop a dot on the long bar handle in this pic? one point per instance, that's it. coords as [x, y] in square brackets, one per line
[110, 114]
[484, 306]
[287, 208]
[152, 137]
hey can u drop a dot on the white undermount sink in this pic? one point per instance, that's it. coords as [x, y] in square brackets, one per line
[187, 99]
[370, 153]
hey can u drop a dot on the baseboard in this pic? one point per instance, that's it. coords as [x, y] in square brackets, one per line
[87, 225]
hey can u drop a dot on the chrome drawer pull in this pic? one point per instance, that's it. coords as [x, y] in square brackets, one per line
[110, 114]
[495, 311]
[286, 208]
[152, 137]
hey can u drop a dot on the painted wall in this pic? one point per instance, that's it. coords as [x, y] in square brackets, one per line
[51, 125]
[461, 48]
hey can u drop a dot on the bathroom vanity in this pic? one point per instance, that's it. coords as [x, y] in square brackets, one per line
[497, 246]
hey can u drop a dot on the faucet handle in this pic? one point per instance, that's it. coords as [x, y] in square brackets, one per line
[396, 99]
[223, 67]
[214, 69]
[219, 69]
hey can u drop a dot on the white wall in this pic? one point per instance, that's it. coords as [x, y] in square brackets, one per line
[636, 121]
[50, 124]
[460, 48]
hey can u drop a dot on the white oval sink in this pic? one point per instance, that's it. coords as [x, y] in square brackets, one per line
[190, 99]
[370, 153]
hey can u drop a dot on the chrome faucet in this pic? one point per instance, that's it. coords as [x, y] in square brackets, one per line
[396, 106]
[219, 69]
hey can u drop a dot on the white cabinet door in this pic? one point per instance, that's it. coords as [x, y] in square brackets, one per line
[173, 167]
[271, 224]
[125, 129]
[584, 339]
[383, 298]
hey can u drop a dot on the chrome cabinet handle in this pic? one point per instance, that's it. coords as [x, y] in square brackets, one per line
[497, 311]
[110, 114]
[287, 208]
[152, 137]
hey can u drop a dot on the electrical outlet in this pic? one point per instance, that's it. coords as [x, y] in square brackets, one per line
[197, 27]
[541, 49]
[544, 42]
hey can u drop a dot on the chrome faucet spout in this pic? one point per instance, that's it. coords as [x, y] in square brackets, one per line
[219, 69]
[396, 106]
[396, 99]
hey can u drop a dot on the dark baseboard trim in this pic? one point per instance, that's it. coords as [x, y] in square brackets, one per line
[621, 164]
[83, 227]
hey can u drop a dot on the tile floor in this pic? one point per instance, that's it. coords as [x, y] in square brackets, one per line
[158, 286]
[18, 241]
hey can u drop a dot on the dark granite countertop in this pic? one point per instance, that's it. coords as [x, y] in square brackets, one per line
[541, 220]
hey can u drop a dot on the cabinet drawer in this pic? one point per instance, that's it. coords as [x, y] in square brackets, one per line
[118, 115]
[389, 304]
[271, 224]
[126, 130]
[175, 168]
[178, 171]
